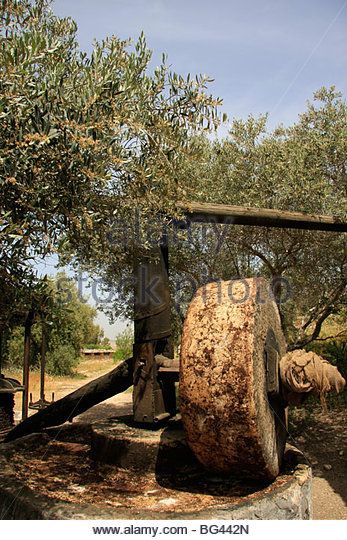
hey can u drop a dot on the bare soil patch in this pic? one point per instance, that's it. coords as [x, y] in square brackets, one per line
[87, 370]
[322, 437]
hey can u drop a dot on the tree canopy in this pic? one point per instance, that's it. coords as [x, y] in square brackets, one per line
[76, 127]
[301, 168]
[94, 147]
[83, 138]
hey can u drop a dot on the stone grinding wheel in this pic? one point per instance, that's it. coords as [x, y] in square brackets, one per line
[231, 424]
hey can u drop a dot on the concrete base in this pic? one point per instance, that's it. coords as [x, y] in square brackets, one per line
[148, 475]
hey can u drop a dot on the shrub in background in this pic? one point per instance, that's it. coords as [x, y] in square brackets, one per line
[62, 360]
[124, 345]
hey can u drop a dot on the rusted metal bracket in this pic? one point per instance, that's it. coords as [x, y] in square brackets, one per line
[41, 403]
[9, 385]
[272, 375]
[148, 397]
[272, 359]
[154, 397]
[274, 386]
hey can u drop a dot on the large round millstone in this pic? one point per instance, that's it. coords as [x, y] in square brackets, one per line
[232, 425]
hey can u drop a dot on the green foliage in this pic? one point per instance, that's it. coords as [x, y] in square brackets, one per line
[100, 346]
[15, 349]
[299, 168]
[334, 350]
[83, 140]
[105, 342]
[86, 137]
[62, 359]
[69, 324]
[124, 345]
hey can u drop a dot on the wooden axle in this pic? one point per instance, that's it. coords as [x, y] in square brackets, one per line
[261, 217]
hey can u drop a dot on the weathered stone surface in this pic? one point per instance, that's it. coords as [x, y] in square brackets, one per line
[120, 442]
[229, 421]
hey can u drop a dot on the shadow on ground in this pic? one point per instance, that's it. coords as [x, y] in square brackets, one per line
[322, 437]
[177, 468]
[110, 408]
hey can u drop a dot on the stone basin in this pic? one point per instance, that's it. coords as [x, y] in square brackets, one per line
[114, 470]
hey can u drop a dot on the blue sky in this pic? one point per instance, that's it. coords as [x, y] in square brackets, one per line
[265, 56]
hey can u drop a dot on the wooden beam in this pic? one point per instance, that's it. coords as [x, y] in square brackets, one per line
[261, 217]
[66, 408]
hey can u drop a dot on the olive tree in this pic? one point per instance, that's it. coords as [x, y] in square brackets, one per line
[84, 138]
[298, 168]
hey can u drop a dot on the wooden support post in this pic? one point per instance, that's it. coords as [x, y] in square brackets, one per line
[43, 360]
[26, 363]
[153, 397]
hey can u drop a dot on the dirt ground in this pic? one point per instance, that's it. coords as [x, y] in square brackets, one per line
[323, 443]
[322, 437]
[87, 370]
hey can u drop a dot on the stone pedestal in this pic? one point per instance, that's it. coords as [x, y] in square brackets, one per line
[120, 442]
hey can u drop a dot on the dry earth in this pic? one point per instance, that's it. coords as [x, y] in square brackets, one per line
[322, 438]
